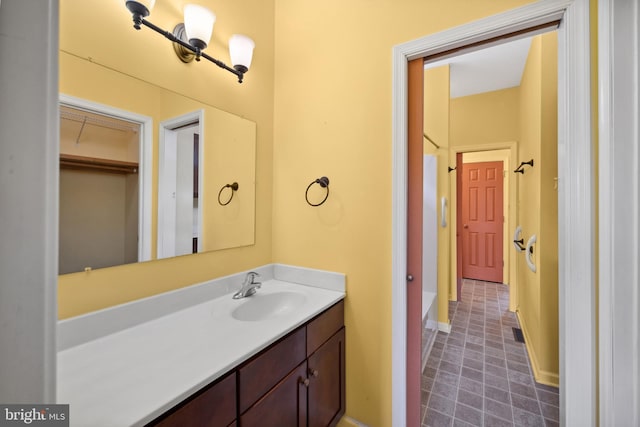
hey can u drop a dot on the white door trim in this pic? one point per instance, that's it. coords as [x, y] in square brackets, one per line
[576, 196]
[618, 62]
[29, 162]
[144, 168]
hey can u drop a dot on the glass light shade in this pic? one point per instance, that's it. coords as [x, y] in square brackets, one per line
[241, 50]
[198, 23]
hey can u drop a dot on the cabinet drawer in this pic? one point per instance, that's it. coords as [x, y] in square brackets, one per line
[324, 326]
[260, 374]
[215, 406]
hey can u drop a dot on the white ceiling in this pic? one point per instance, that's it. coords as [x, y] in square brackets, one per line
[492, 68]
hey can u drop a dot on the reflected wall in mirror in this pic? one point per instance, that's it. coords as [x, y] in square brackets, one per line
[233, 224]
[227, 153]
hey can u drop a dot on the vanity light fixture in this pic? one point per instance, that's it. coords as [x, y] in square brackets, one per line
[191, 38]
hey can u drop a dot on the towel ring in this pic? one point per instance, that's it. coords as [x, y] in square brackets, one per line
[234, 187]
[324, 183]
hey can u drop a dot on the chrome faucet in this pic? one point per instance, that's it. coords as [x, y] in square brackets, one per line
[249, 286]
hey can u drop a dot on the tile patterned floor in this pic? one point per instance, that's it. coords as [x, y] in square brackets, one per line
[478, 375]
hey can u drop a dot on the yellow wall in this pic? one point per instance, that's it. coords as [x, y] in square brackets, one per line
[102, 58]
[485, 118]
[333, 117]
[528, 195]
[490, 121]
[538, 208]
[235, 145]
[98, 141]
[528, 115]
[436, 126]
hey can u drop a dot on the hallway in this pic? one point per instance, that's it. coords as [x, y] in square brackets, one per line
[478, 375]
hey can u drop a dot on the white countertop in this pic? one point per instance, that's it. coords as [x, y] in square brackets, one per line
[131, 376]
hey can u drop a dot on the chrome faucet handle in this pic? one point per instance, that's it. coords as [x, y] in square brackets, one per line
[250, 279]
[249, 286]
[252, 275]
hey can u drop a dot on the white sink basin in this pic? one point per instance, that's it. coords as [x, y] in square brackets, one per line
[263, 306]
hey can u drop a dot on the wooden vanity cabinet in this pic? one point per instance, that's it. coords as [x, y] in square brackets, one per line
[298, 381]
[213, 406]
[313, 393]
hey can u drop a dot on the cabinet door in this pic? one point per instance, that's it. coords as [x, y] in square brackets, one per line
[327, 382]
[284, 405]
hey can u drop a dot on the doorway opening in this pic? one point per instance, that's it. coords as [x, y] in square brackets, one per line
[180, 178]
[481, 343]
[105, 186]
[576, 238]
[505, 153]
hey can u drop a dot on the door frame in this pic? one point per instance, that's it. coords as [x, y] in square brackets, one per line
[510, 197]
[168, 126]
[145, 165]
[577, 237]
[619, 204]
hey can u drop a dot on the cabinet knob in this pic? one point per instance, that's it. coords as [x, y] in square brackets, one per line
[313, 372]
[304, 382]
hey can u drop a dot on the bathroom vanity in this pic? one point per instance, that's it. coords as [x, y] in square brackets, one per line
[198, 357]
[297, 381]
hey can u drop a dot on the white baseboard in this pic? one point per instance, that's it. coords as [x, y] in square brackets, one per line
[432, 324]
[444, 327]
[348, 421]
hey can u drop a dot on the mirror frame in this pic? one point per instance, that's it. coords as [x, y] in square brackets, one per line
[144, 168]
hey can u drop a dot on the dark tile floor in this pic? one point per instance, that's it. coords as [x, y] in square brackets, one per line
[478, 375]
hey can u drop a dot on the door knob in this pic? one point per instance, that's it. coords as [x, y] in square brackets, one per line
[466, 226]
[305, 382]
[313, 372]
[409, 278]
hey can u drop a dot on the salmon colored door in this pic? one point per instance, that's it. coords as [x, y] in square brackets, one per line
[482, 221]
[414, 239]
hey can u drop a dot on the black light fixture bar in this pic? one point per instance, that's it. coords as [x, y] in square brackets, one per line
[197, 51]
[139, 11]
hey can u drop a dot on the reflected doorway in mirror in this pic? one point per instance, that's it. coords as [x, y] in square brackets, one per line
[105, 186]
[180, 180]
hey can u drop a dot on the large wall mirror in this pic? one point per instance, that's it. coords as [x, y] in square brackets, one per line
[148, 176]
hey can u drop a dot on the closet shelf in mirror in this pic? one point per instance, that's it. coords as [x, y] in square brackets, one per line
[68, 161]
